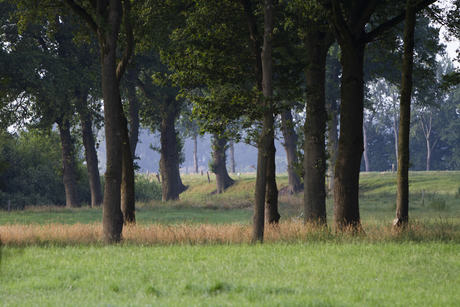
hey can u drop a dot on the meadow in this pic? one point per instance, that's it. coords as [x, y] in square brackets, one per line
[196, 252]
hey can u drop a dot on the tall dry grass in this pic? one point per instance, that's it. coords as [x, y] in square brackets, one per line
[290, 231]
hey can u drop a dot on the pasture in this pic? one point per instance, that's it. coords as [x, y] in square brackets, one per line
[196, 252]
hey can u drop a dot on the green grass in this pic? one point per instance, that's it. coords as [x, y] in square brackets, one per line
[377, 202]
[409, 269]
[316, 274]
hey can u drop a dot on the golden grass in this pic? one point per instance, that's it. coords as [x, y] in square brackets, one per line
[289, 231]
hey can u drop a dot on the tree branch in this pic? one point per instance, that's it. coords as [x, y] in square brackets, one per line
[370, 9]
[394, 21]
[83, 14]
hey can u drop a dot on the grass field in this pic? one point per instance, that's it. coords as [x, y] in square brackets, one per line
[195, 252]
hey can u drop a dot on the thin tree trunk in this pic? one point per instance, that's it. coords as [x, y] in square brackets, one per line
[195, 152]
[366, 151]
[90, 154]
[70, 183]
[272, 215]
[232, 157]
[333, 143]
[266, 136]
[317, 44]
[223, 180]
[127, 178]
[290, 144]
[402, 196]
[396, 133]
[133, 110]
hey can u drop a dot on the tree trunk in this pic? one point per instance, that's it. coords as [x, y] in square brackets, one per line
[195, 152]
[223, 180]
[402, 196]
[350, 150]
[317, 45]
[70, 183]
[428, 155]
[333, 143]
[127, 176]
[266, 135]
[133, 110]
[232, 157]
[290, 145]
[366, 152]
[396, 133]
[169, 164]
[272, 215]
[108, 16]
[90, 153]
[112, 217]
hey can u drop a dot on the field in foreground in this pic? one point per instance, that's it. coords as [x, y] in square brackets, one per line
[314, 274]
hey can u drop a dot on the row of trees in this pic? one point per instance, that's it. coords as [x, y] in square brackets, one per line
[241, 65]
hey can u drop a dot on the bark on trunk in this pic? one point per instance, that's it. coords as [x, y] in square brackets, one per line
[317, 45]
[266, 136]
[350, 150]
[70, 183]
[112, 217]
[272, 215]
[169, 164]
[402, 195]
[127, 176]
[223, 180]
[290, 144]
[90, 155]
[133, 110]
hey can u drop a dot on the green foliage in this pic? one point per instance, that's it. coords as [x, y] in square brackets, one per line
[147, 189]
[32, 163]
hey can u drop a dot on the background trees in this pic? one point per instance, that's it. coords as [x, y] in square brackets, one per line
[212, 55]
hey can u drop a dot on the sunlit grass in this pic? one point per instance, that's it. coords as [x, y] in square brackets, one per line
[300, 274]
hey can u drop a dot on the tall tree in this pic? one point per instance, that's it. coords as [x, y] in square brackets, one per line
[348, 24]
[105, 18]
[402, 198]
[317, 43]
[266, 136]
[70, 182]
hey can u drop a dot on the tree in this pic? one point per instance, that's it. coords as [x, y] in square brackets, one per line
[290, 146]
[105, 18]
[218, 165]
[402, 200]
[160, 111]
[348, 24]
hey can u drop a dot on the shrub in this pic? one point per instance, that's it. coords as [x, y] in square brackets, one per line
[147, 189]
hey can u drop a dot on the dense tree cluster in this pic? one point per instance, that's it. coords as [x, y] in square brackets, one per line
[240, 70]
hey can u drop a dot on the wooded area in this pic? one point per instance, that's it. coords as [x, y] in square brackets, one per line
[351, 86]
